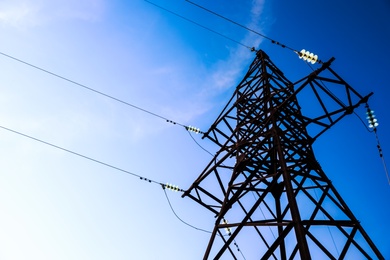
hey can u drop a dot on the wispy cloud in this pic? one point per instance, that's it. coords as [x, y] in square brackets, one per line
[27, 14]
[18, 13]
[226, 73]
[205, 89]
[183, 95]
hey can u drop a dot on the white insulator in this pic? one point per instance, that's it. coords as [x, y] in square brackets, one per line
[308, 56]
[315, 59]
[305, 54]
[302, 53]
[227, 229]
[193, 129]
[311, 56]
[172, 187]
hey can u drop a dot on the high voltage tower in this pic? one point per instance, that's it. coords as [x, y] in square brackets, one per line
[269, 194]
[264, 185]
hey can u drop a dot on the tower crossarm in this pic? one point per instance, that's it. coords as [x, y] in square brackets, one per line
[326, 96]
[329, 98]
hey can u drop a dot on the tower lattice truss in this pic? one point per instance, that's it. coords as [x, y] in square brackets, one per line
[270, 197]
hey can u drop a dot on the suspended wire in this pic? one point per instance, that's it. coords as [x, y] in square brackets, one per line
[240, 25]
[204, 149]
[381, 155]
[92, 90]
[181, 220]
[164, 186]
[200, 25]
[373, 124]
[192, 226]
[303, 54]
[361, 120]
[81, 155]
[238, 249]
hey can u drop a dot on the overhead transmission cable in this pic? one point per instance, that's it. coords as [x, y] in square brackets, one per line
[303, 54]
[164, 186]
[181, 220]
[188, 128]
[81, 155]
[200, 25]
[240, 25]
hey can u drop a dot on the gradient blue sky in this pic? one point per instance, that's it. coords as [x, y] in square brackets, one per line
[55, 205]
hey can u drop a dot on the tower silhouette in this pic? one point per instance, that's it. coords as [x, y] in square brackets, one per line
[269, 194]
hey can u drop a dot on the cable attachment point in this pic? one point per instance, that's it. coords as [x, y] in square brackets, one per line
[145, 179]
[172, 122]
[193, 129]
[172, 187]
[278, 43]
[372, 121]
[308, 56]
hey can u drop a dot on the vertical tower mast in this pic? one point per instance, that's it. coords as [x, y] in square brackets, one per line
[264, 185]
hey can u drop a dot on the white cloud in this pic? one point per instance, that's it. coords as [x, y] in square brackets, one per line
[227, 73]
[208, 85]
[18, 13]
[28, 13]
[88, 10]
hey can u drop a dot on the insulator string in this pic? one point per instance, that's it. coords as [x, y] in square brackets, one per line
[373, 124]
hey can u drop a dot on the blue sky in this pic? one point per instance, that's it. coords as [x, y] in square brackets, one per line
[56, 205]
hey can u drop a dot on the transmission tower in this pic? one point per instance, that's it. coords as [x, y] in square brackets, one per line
[269, 194]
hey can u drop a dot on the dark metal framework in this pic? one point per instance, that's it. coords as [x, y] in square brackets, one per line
[265, 186]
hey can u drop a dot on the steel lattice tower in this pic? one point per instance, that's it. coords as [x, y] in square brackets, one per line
[265, 185]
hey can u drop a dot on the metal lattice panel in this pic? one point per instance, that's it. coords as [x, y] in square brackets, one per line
[265, 185]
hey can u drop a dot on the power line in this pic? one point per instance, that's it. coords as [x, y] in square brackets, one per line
[181, 220]
[204, 149]
[164, 186]
[188, 128]
[240, 25]
[303, 54]
[82, 156]
[382, 156]
[200, 25]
